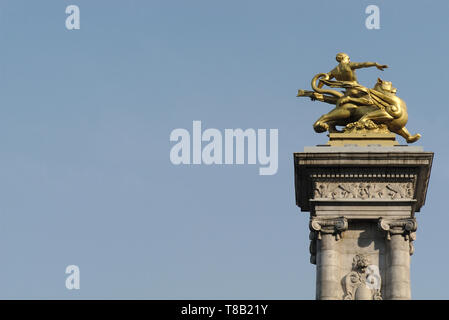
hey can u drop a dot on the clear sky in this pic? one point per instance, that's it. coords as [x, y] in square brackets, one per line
[85, 120]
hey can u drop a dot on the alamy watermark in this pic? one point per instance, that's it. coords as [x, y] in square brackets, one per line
[73, 280]
[73, 22]
[373, 279]
[373, 20]
[218, 150]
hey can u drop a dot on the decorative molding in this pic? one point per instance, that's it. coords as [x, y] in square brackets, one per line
[363, 173]
[404, 227]
[364, 190]
[363, 282]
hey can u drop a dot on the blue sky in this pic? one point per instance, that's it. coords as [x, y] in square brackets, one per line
[85, 120]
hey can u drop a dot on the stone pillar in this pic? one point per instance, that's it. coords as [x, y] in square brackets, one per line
[325, 234]
[362, 202]
[400, 234]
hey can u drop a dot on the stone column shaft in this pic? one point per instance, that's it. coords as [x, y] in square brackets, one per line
[398, 271]
[328, 283]
[328, 232]
[400, 233]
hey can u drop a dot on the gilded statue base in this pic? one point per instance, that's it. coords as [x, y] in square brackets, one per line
[362, 139]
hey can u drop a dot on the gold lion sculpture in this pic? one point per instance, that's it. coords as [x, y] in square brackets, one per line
[358, 107]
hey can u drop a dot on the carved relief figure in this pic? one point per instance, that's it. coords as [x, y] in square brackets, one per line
[363, 282]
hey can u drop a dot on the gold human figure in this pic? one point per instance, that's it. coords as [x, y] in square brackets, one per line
[345, 70]
[345, 75]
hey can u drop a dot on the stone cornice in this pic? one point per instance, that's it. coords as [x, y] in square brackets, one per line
[401, 175]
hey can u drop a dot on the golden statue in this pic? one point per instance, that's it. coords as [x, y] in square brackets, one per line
[360, 110]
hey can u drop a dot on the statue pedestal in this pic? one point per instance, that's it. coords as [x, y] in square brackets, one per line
[362, 139]
[362, 202]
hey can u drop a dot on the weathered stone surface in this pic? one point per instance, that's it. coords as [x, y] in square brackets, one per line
[362, 203]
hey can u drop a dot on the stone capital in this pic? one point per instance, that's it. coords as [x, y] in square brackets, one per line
[333, 226]
[319, 226]
[403, 227]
